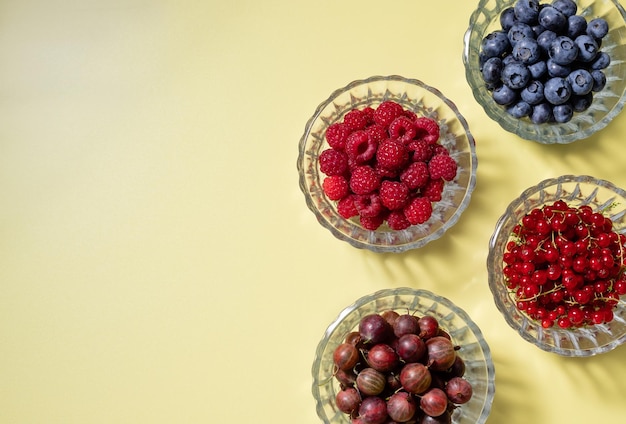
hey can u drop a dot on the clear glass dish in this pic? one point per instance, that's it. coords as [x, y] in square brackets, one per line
[607, 104]
[423, 100]
[576, 191]
[479, 372]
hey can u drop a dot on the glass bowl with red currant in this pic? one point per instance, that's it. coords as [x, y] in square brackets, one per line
[403, 355]
[550, 71]
[557, 265]
[387, 164]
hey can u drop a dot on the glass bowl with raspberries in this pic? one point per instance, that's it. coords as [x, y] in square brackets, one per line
[403, 355]
[387, 164]
[556, 265]
[550, 71]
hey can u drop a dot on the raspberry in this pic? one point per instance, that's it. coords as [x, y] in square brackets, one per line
[433, 190]
[393, 194]
[427, 129]
[392, 154]
[364, 180]
[385, 173]
[442, 166]
[403, 129]
[421, 150]
[336, 135]
[368, 205]
[346, 207]
[355, 120]
[335, 187]
[333, 162]
[372, 223]
[376, 132]
[415, 175]
[397, 220]
[386, 112]
[418, 210]
[411, 115]
[368, 112]
[360, 147]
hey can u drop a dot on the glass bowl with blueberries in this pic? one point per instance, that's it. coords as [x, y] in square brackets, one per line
[556, 265]
[387, 164]
[549, 71]
[399, 346]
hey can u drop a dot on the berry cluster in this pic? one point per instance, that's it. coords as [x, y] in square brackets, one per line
[385, 165]
[565, 266]
[399, 368]
[545, 62]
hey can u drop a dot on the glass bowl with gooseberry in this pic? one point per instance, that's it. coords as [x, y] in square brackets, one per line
[556, 265]
[400, 354]
[387, 164]
[550, 71]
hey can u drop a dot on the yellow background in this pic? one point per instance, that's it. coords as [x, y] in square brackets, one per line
[159, 264]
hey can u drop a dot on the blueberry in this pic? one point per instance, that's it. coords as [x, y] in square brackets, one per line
[526, 11]
[598, 28]
[556, 70]
[542, 113]
[504, 95]
[566, 7]
[519, 31]
[538, 70]
[576, 25]
[599, 80]
[602, 60]
[587, 48]
[581, 103]
[563, 113]
[527, 51]
[563, 50]
[557, 90]
[515, 75]
[508, 59]
[581, 81]
[545, 39]
[519, 110]
[552, 19]
[507, 18]
[495, 44]
[492, 70]
[533, 93]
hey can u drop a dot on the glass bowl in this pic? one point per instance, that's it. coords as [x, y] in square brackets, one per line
[421, 99]
[576, 191]
[607, 103]
[464, 332]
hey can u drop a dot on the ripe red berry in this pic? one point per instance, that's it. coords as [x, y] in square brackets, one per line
[335, 187]
[394, 194]
[364, 180]
[442, 166]
[333, 162]
[418, 210]
[392, 154]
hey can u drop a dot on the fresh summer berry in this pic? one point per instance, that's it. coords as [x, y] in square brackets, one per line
[427, 129]
[433, 190]
[421, 150]
[392, 154]
[394, 194]
[376, 132]
[335, 187]
[387, 112]
[403, 129]
[397, 221]
[360, 147]
[371, 223]
[355, 120]
[418, 211]
[336, 135]
[368, 205]
[364, 180]
[346, 206]
[416, 175]
[333, 162]
[442, 166]
[526, 10]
